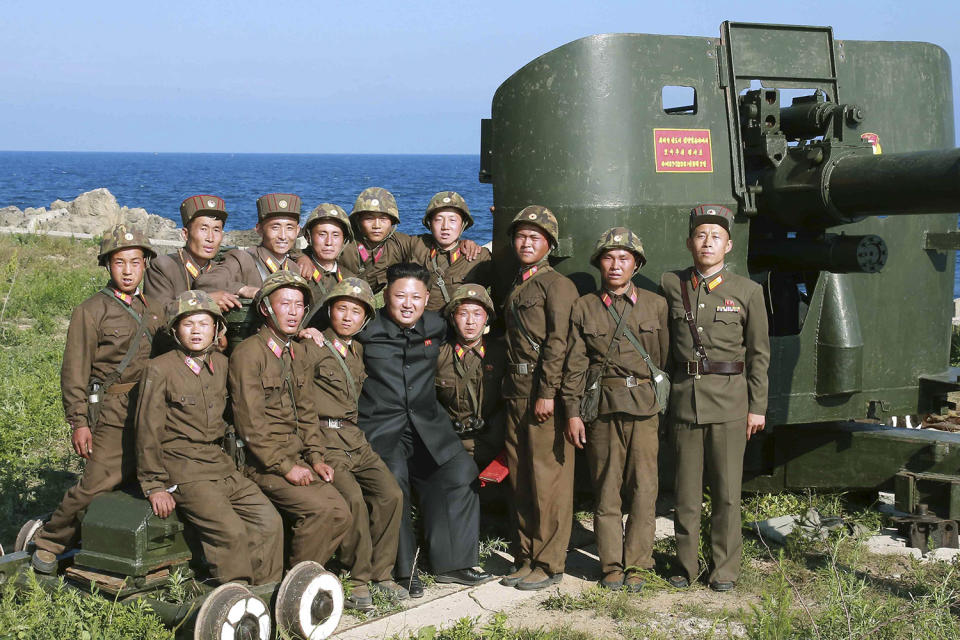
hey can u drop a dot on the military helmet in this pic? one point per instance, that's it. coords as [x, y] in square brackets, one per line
[711, 214]
[202, 205]
[376, 200]
[448, 200]
[540, 217]
[278, 204]
[356, 288]
[281, 279]
[124, 236]
[189, 302]
[618, 238]
[469, 292]
[327, 212]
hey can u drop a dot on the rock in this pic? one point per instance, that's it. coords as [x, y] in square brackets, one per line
[99, 203]
[776, 529]
[11, 217]
[942, 554]
[890, 543]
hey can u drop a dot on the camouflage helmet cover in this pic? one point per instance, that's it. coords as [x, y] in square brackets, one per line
[540, 217]
[281, 279]
[469, 292]
[448, 200]
[711, 214]
[376, 200]
[278, 204]
[124, 236]
[190, 302]
[618, 238]
[328, 212]
[202, 205]
[355, 288]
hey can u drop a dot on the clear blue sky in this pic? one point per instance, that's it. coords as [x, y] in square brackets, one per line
[336, 77]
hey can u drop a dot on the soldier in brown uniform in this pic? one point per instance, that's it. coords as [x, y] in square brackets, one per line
[108, 344]
[451, 259]
[720, 350]
[622, 441]
[168, 276]
[275, 413]
[469, 373]
[180, 462]
[327, 231]
[540, 460]
[243, 271]
[376, 502]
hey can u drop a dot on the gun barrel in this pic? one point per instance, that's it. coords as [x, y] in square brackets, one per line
[834, 253]
[896, 184]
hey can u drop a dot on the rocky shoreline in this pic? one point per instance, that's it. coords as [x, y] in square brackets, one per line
[93, 212]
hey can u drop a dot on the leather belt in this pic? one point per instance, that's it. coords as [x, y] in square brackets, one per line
[122, 387]
[615, 381]
[523, 368]
[335, 423]
[703, 367]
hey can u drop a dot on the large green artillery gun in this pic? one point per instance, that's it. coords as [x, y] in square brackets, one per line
[837, 158]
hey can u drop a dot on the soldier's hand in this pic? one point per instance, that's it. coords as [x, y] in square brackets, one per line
[299, 476]
[82, 442]
[469, 249]
[576, 432]
[247, 291]
[755, 423]
[162, 503]
[311, 333]
[324, 470]
[226, 300]
[543, 409]
[306, 266]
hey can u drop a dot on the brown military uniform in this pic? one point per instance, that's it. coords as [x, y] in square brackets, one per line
[245, 267]
[370, 547]
[276, 415]
[170, 275]
[370, 263]
[539, 457]
[101, 332]
[622, 442]
[179, 430]
[708, 411]
[468, 384]
[321, 281]
[450, 268]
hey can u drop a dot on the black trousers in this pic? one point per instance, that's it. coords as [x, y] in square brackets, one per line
[449, 506]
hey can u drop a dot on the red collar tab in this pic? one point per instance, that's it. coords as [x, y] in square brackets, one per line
[126, 298]
[712, 283]
[340, 347]
[278, 350]
[454, 255]
[529, 273]
[365, 253]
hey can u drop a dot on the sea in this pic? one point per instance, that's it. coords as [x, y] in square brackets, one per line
[158, 182]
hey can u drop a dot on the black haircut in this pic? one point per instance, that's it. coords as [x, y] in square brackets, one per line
[403, 270]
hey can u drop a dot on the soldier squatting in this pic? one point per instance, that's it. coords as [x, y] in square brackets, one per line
[347, 413]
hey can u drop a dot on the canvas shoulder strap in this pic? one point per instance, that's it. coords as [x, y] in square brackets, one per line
[351, 383]
[134, 344]
[632, 339]
[698, 349]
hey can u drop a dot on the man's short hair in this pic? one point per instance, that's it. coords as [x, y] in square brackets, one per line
[403, 270]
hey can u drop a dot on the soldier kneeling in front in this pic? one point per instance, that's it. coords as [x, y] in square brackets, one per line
[369, 549]
[275, 413]
[180, 462]
[469, 371]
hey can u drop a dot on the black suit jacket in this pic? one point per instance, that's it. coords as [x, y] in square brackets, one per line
[399, 391]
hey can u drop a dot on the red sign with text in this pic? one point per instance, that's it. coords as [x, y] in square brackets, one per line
[683, 150]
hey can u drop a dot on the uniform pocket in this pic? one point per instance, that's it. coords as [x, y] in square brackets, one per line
[727, 317]
[117, 332]
[271, 382]
[182, 400]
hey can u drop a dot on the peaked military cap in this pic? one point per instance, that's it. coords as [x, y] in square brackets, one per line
[448, 200]
[355, 288]
[189, 302]
[124, 236]
[278, 204]
[540, 217]
[282, 279]
[711, 214]
[202, 205]
[618, 238]
[376, 200]
[327, 212]
[469, 292]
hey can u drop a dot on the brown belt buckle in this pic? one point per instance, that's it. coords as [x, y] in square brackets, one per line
[631, 382]
[333, 424]
[695, 370]
[523, 368]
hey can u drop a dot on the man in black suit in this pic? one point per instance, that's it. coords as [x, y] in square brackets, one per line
[408, 428]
